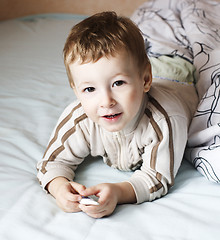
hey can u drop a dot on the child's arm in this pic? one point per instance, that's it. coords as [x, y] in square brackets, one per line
[66, 193]
[110, 194]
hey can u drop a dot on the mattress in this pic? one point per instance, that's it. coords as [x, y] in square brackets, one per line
[34, 90]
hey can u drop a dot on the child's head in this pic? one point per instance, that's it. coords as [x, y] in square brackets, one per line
[108, 69]
[104, 35]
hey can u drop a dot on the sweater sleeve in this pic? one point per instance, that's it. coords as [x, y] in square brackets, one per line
[67, 146]
[161, 158]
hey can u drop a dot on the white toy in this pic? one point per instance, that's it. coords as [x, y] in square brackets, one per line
[88, 201]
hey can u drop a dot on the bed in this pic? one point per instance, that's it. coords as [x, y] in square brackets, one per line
[34, 90]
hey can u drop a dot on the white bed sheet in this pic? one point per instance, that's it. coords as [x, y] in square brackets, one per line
[33, 92]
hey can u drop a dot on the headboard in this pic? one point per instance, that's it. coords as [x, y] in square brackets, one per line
[18, 8]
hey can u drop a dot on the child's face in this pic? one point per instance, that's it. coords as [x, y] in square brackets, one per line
[110, 90]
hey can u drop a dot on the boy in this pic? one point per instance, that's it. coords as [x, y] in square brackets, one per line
[119, 116]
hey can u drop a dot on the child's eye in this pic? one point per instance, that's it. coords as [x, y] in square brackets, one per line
[89, 89]
[118, 83]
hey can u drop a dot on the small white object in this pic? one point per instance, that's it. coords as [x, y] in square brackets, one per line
[88, 201]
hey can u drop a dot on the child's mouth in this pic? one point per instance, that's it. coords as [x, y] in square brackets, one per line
[113, 116]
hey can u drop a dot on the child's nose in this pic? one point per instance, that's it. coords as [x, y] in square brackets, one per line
[107, 101]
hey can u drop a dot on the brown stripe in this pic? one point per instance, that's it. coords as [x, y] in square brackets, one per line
[160, 137]
[154, 151]
[63, 139]
[158, 176]
[159, 185]
[171, 149]
[62, 123]
[156, 188]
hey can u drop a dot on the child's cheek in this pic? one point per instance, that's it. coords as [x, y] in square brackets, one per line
[89, 109]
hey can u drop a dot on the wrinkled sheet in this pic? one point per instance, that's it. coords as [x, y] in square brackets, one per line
[191, 29]
[34, 90]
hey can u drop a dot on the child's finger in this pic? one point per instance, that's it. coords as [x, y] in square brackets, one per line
[94, 190]
[71, 207]
[73, 197]
[99, 191]
[93, 211]
[79, 188]
[68, 205]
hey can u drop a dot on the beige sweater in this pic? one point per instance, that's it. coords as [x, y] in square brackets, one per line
[152, 145]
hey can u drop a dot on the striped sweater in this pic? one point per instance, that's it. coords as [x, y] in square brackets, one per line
[152, 145]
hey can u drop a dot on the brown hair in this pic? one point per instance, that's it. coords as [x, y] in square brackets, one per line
[103, 35]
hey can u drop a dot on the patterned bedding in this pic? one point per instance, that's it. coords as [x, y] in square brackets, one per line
[191, 29]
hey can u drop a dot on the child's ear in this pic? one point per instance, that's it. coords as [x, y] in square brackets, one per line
[75, 91]
[74, 88]
[147, 77]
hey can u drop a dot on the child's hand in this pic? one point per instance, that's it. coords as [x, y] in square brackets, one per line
[110, 194]
[67, 194]
[107, 200]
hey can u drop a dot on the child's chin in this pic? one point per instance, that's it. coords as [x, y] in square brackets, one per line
[112, 128]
